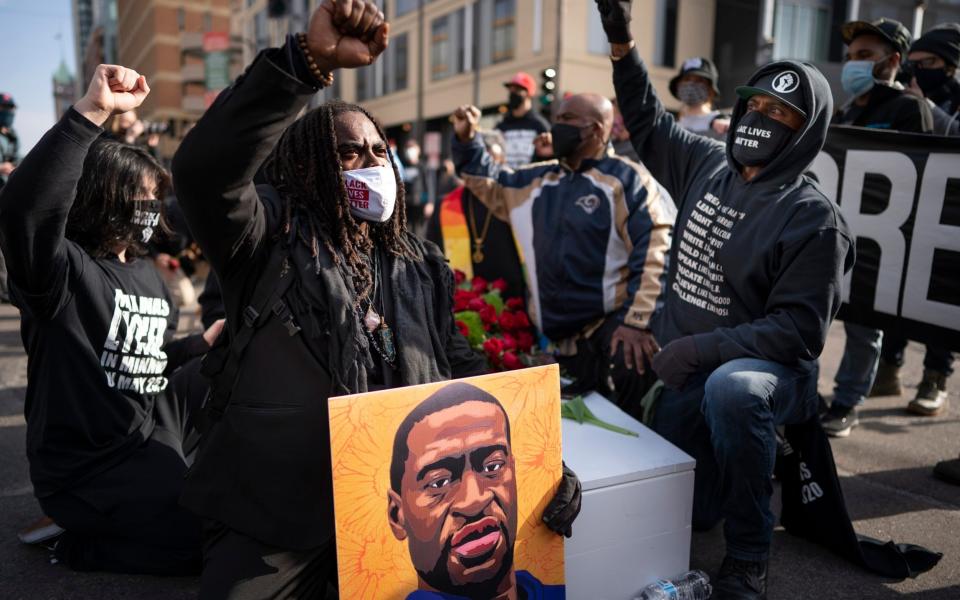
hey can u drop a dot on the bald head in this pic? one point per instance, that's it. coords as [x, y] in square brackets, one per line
[587, 109]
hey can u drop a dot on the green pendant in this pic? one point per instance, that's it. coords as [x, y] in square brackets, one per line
[386, 340]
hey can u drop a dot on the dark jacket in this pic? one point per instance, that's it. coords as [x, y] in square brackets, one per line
[756, 267]
[264, 468]
[593, 241]
[94, 328]
[888, 107]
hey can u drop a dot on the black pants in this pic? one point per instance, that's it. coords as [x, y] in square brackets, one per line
[594, 369]
[936, 358]
[128, 519]
[238, 567]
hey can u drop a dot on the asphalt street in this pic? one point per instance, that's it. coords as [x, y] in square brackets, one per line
[885, 469]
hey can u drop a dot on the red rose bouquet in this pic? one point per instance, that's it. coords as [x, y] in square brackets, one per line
[498, 327]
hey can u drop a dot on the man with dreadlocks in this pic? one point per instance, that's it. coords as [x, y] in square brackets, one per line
[326, 293]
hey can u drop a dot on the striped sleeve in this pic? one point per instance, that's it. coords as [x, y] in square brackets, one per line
[648, 226]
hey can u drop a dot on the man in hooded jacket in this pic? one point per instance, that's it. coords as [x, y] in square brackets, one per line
[756, 267]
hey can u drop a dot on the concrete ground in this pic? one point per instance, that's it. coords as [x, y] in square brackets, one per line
[885, 467]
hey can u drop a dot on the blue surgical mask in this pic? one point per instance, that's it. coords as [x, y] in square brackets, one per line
[857, 76]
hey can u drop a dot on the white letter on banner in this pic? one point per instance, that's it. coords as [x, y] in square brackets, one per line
[884, 227]
[928, 235]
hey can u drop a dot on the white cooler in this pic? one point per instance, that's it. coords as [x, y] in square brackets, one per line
[634, 524]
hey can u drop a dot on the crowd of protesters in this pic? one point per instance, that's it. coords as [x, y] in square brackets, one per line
[690, 248]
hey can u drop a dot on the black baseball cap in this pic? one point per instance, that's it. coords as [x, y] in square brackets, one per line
[699, 66]
[784, 85]
[888, 29]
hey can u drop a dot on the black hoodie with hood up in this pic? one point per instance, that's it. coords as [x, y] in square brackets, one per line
[755, 267]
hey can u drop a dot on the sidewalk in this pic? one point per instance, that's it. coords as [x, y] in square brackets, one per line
[885, 467]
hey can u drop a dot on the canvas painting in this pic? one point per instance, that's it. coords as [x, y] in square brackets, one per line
[439, 489]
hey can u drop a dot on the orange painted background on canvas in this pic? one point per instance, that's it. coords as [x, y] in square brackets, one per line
[373, 564]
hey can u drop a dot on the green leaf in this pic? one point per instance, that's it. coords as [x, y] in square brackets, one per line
[474, 323]
[576, 410]
[495, 300]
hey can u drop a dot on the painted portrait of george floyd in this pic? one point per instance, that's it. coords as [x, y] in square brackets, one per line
[438, 489]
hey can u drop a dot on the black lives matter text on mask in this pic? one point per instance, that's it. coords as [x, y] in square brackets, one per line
[133, 359]
[900, 195]
[700, 277]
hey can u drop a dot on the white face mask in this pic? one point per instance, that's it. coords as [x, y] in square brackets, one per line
[372, 193]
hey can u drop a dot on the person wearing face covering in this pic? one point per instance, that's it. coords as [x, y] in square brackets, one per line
[756, 266]
[326, 292]
[593, 230]
[107, 441]
[695, 86]
[934, 57]
[521, 124]
[873, 58]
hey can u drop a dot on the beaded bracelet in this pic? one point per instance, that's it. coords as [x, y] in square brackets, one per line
[325, 79]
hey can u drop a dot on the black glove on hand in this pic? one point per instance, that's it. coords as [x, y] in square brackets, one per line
[676, 362]
[565, 506]
[615, 17]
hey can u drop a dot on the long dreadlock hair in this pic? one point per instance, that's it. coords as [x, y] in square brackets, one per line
[305, 168]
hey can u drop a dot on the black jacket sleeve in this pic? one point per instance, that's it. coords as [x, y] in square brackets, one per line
[34, 207]
[673, 155]
[216, 163]
[182, 350]
[916, 116]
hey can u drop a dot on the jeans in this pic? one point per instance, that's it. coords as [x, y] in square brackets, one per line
[858, 368]
[726, 420]
[936, 358]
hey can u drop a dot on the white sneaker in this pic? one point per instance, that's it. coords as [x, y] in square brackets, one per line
[41, 531]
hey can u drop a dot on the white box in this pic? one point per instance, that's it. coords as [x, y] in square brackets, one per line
[634, 524]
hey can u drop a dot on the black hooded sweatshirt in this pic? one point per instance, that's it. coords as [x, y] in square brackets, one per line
[756, 266]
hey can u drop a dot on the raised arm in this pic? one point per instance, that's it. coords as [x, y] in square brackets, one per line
[498, 187]
[672, 154]
[214, 167]
[36, 201]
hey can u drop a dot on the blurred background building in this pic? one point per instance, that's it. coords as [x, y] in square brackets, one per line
[444, 53]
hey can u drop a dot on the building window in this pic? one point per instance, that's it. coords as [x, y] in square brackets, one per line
[207, 22]
[260, 34]
[596, 38]
[504, 12]
[397, 64]
[801, 31]
[405, 6]
[441, 48]
[181, 19]
[365, 83]
[665, 53]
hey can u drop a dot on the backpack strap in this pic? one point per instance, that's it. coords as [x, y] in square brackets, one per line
[222, 364]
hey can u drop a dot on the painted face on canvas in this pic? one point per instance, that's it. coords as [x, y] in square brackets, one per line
[456, 505]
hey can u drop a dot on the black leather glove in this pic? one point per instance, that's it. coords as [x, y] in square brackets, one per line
[615, 17]
[565, 506]
[676, 362]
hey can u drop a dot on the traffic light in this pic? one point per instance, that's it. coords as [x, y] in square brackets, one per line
[548, 89]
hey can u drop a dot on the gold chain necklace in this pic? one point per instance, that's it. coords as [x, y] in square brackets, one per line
[477, 240]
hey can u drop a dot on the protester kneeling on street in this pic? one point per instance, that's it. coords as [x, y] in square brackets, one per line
[757, 262]
[107, 441]
[326, 292]
[594, 230]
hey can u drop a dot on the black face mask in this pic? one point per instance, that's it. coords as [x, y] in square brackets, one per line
[566, 139]
[931, 80]
[758, 139]
[515, 101]
[146, 218]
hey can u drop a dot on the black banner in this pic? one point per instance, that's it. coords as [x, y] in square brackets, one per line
[900, 195]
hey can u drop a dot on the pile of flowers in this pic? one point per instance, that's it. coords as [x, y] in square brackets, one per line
[498, 327]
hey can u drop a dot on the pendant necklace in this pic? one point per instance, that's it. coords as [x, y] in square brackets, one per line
[479, 237]
[376, 325]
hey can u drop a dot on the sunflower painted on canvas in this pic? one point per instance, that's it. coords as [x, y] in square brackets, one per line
[438, 488]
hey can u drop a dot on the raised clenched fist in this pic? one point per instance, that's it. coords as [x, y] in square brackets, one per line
[112, 90]
[466, 121]
[347, 34]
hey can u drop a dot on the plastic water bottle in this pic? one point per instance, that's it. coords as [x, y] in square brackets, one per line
[692, 585]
